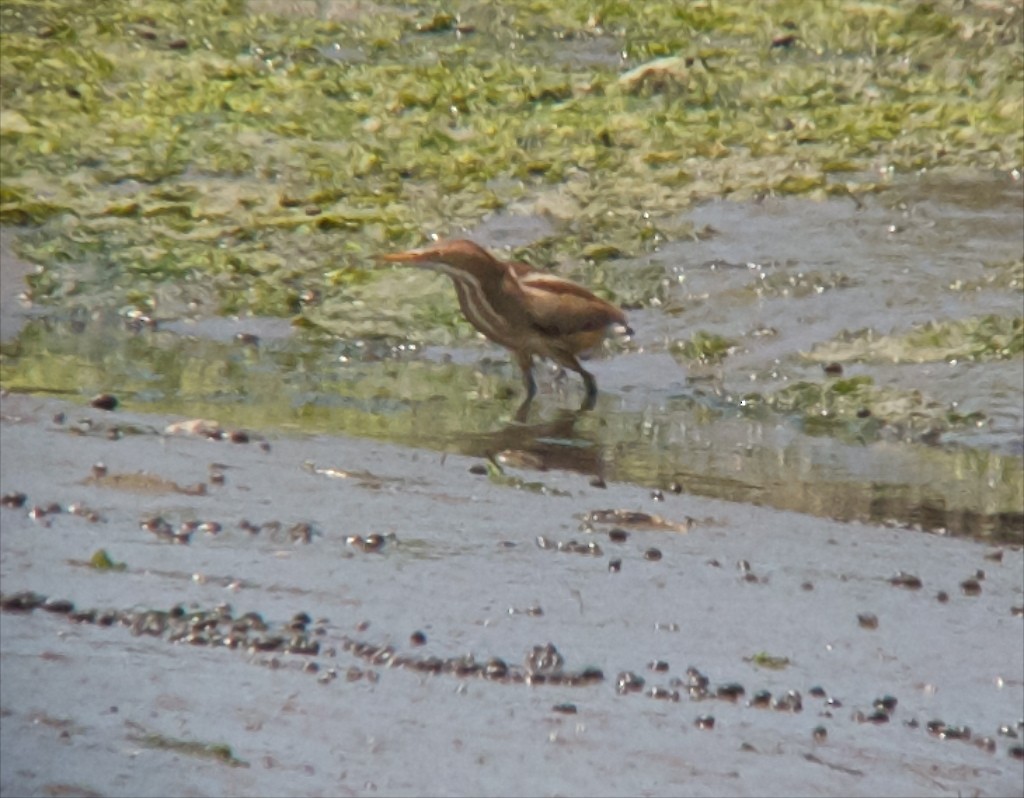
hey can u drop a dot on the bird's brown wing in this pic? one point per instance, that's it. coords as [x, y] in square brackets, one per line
[560, 307]
[522, 269]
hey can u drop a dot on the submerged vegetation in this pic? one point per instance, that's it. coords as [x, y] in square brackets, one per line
[855, 409]
[985, 338]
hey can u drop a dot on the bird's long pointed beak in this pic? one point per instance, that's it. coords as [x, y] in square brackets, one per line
[409, 256]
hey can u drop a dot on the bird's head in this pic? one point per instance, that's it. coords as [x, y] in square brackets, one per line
[451, 257]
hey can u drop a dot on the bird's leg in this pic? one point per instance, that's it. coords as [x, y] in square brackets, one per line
[523, 411]
[589, 383]
[525, 362]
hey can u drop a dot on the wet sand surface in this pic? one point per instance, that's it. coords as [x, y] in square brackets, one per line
[747, 598]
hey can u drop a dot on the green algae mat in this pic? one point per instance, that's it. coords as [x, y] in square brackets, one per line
[247, 158]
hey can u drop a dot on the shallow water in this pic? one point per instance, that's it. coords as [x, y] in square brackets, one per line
[777, 278]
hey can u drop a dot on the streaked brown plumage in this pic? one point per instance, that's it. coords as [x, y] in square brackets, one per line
[527, 311]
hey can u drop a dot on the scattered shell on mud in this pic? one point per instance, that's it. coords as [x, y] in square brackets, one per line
[292, 645]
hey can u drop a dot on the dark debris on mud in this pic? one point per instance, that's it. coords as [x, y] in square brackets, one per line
[312, 647]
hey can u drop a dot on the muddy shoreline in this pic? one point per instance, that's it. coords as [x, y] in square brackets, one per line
[900, 691]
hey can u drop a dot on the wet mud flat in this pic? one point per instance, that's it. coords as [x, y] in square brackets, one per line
[215, 612]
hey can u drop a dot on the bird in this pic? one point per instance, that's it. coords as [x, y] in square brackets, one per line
[529, 312]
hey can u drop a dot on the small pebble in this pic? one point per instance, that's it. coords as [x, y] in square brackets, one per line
[14, 500]
[867, 620]
[60, 606]
[104, 401]
[731, 691]
[792, 701]
[629, 682]
[760, 699]
[903, 579]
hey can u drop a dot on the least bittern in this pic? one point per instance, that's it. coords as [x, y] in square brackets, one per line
[527, 311]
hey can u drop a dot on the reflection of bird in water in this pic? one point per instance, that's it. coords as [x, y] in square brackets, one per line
[527, 311]
[539, 447]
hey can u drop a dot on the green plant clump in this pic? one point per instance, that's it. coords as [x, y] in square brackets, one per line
[975, 339]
